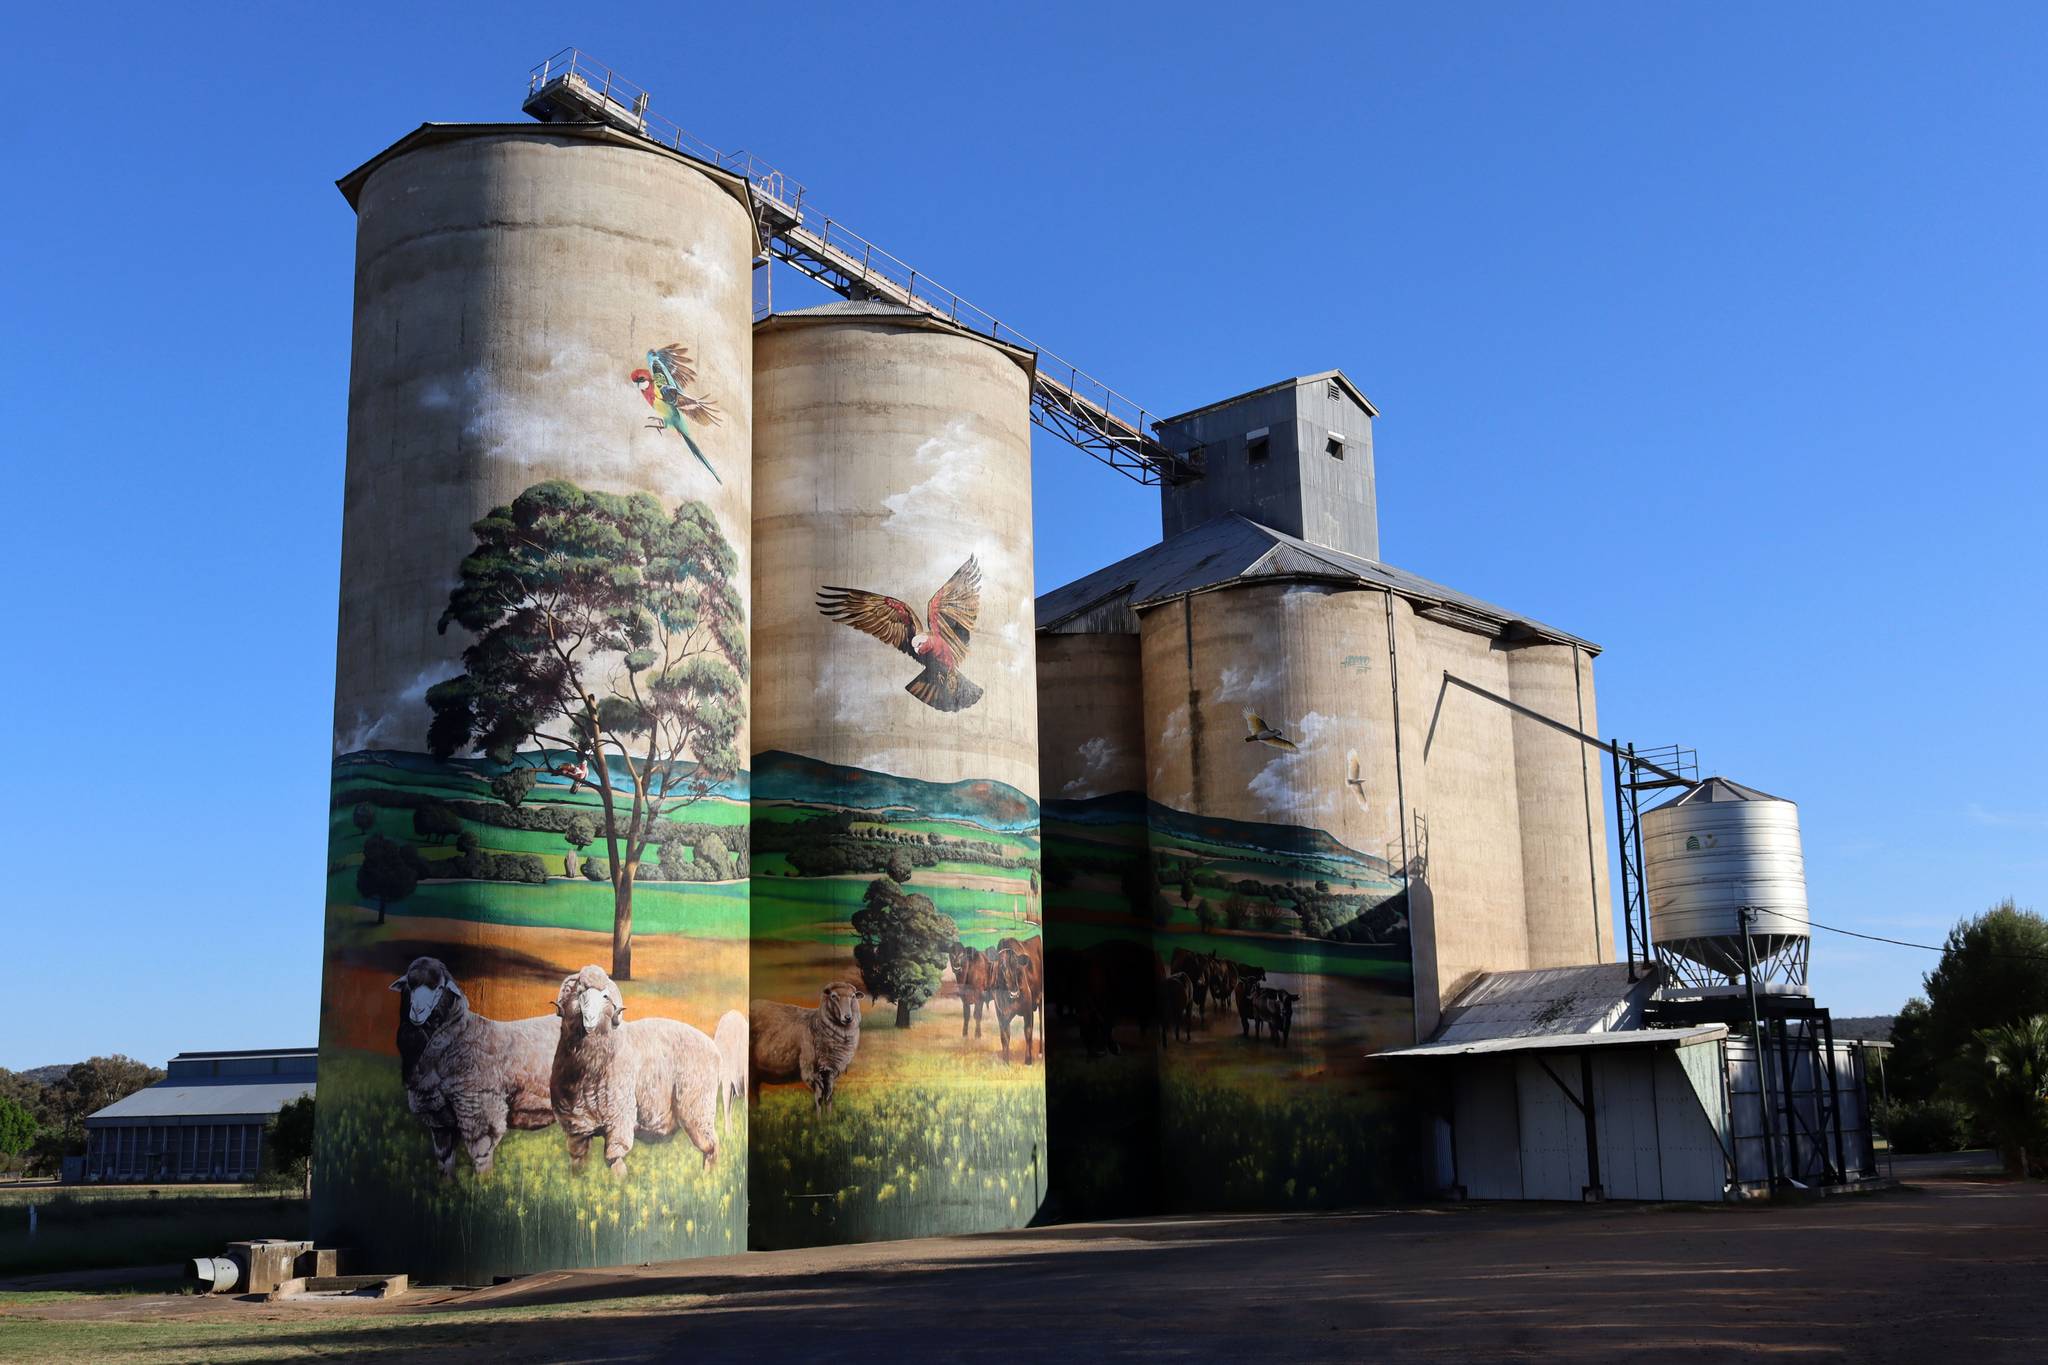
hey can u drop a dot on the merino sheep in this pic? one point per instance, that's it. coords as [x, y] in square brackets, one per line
[731, 1038]
[649, 1077]
[467, 1078]
[815, 1046]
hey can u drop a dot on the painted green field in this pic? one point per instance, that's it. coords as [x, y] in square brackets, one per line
[818, 909]
[536, 1207]
[1284, 1146]
[927, 1136]
[702, 909]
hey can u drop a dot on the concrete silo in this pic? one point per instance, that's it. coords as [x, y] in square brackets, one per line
[1558, 792]
[1276, 838]
[1102, 975]
[896, 816]
[549, 449]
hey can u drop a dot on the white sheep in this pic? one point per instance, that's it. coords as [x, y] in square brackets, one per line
[649, 1077]
[468, 1078]
[731, 1038]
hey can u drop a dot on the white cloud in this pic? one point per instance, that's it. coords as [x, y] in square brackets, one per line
[1244, 684]
[1281, 787]
[361, 734]
[2006, 819]
[1097, 755]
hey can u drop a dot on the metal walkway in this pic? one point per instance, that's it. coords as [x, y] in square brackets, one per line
[1073, 405]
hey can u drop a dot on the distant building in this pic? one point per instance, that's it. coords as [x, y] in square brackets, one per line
[202, 1121]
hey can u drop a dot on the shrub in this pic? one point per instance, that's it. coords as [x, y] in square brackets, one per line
[1915, 1126]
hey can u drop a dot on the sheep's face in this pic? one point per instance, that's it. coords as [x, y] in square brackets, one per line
[429, 990]
[591, 999]
[841, 1003]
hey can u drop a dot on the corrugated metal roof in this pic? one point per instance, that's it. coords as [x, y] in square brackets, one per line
[1565, 1042]
[1719, 789]
[1234, 549]
[1338, 376]
[1546, 1001]
[228, 1095]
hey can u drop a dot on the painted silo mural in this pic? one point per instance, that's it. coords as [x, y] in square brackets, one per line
[1278, 879]
[533, 1018]
[897, 967]
[1102, 975]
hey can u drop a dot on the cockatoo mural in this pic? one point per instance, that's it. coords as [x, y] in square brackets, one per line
[940, 643]
[1258, 732]
[1356, 780]
[664, 384]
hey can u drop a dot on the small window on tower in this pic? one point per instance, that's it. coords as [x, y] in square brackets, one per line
[1255, 449]
[1334, 447]
[1332, 392]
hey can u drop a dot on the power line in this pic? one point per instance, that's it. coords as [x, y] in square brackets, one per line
[1928, 947]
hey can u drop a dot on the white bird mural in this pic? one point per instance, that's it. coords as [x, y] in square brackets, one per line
[1357, 779]
[1261, 733]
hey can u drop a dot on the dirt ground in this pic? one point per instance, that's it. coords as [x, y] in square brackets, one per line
[1952, 1267]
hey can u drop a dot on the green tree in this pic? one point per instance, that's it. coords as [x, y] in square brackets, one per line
[467, 842]
[513, 785]
[86, 1088]
[715, 858]
[1912, 1069]
[437, 821]
[17, 1129]
[903, 945]
[288, 1143]
[1994, 972]
[389, 873]
[898, 867]
[608, 628]
[365, 816]
[2011, 1089]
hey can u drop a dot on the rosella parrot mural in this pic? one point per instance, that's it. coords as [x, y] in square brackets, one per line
[663, 383]
[941, 645]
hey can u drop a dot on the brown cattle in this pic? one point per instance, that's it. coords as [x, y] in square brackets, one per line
[1276, 1011]
[1195, 967]
[1019, 991]
[1176, 1003]
[975, 973]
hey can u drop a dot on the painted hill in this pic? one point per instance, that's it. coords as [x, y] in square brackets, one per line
[780, 776]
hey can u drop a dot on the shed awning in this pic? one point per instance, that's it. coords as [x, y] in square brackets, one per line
[1564, 1042]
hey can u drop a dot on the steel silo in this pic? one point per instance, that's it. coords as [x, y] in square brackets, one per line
[895, 779]
[1719, 862]
[549, 444]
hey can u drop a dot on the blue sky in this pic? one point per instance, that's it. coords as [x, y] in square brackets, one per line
[1712, 333]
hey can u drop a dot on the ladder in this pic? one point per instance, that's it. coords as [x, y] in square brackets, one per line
[570, 87]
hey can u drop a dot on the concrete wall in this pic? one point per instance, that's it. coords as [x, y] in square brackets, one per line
[509, 281]
[1102, 1062]
[1267, 857]
[1462, 785]
[895, 798]
[887, 455]
[1558, 784]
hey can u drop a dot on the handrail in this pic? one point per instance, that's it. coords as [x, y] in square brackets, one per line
[1115, 420]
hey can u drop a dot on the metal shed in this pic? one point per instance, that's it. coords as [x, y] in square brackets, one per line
[1636, 1114]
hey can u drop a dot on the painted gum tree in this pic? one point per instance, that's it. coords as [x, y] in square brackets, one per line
[608, 628]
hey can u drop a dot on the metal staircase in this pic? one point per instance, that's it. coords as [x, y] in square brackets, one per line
[571, 88]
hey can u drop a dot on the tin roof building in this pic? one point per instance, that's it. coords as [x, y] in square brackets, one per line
[203, 1121]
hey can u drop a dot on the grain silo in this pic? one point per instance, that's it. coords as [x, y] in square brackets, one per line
[1102, 1062]
[896, 818]
[549, 446]
[1726, 880]
[1275, 834]
[1558, 796]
